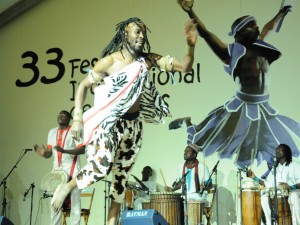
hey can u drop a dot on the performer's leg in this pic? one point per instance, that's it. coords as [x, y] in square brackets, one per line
[61, 193]
[75, 214]
[294, 201]
[124, 159]
[113, 213]
[100, 153]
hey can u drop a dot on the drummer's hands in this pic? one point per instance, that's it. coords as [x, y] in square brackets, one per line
[250, 173]
[59, 149]
[169, 189]
[284, 186]
[39, 150]
[42, 151]
[76, 130]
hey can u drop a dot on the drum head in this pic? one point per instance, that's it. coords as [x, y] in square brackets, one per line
[51, 180]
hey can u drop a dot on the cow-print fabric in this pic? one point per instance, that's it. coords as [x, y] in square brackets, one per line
[115, 152]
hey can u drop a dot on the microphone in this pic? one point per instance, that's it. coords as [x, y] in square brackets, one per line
[28, 150]
[24, 196]
[275, 162]
[45, 195]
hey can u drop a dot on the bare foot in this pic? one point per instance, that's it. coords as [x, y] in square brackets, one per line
[178, 123]
[59, 196]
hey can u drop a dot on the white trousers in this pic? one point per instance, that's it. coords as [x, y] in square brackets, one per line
[75, 215]
[294, 202]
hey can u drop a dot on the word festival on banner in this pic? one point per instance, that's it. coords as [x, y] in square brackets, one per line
[79, 66]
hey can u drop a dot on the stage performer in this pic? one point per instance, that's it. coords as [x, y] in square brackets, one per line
[246, 125]
[65, 151]
[124, 96]
[287, 183]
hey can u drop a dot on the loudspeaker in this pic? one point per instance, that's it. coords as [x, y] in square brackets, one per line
[143, 217]
[5, 221]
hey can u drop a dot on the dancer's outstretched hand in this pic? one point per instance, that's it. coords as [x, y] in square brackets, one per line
[186, 5]
[180, 122]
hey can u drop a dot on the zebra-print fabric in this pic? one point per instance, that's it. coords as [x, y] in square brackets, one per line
[118, 94]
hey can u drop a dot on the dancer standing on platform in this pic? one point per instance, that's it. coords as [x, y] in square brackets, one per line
[246, 125]
[124, 96]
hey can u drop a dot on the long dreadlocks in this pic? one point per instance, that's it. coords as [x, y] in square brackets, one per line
[288, 153]
[119, 40]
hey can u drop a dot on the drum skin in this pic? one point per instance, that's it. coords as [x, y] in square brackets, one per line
[51, 180]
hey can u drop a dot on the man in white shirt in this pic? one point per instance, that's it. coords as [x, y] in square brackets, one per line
[194, 174]
[64, 150]
[287, 181]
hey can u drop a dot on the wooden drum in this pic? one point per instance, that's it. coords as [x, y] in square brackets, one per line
[251, 207]
[146, 205]
[169, 205]
[195, 212]
[284, 212]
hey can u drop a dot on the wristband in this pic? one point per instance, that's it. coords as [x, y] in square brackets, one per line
[256, 179]
[293, 187]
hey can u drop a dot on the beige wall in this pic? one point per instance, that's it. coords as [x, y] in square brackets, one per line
[81, 29]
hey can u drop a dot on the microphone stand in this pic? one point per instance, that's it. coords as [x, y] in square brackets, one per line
[214, 171]
[274, 212]
[4, 181]
[32, 186]
[208, 181]
[106, 189]
[186, 217]
[182, 180]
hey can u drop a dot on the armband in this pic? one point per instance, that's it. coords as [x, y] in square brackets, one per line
[166, 63]
[78, 114]
[256, 179]
[94, 77]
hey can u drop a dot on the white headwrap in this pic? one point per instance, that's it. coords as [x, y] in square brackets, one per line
[241, 24]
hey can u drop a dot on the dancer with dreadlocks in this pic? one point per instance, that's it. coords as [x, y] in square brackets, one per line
[123, 97]
[246, 125]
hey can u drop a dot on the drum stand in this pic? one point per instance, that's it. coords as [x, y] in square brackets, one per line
[184, 192]
[214, 171]
[3, 182]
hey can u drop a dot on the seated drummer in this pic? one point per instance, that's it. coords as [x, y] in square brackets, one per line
[288, 182]
[147, 185]
[195, 174]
